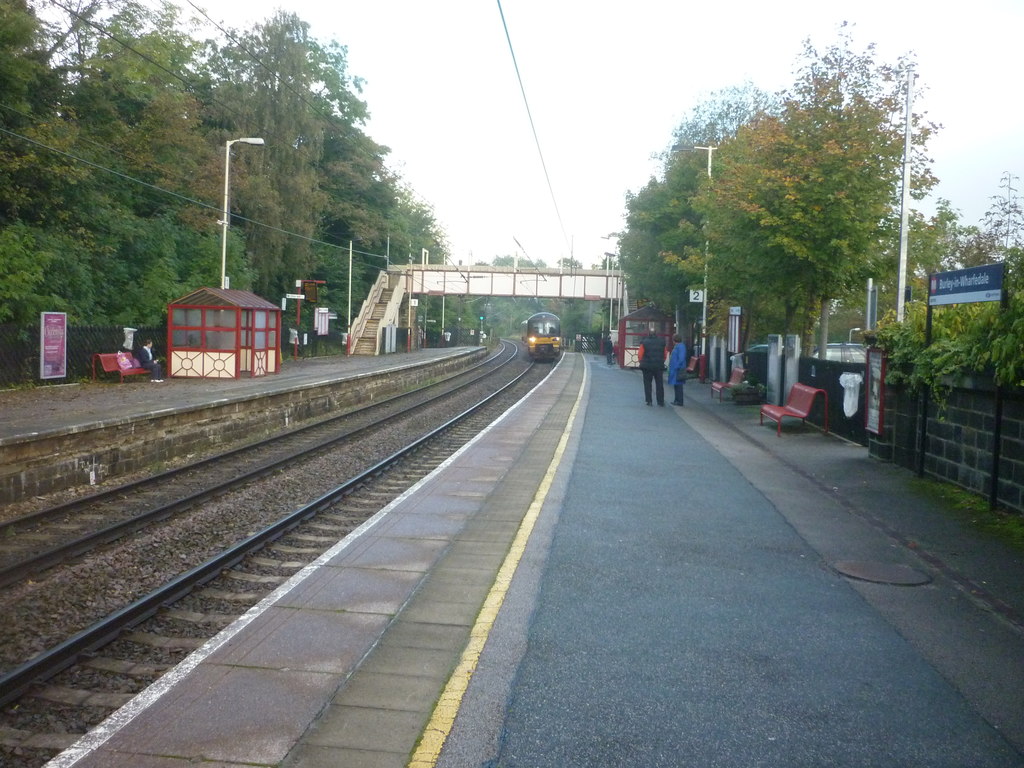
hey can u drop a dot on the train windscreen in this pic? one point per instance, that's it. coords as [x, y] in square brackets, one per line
[545, 327]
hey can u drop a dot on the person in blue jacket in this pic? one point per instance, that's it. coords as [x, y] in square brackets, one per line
[677, 368]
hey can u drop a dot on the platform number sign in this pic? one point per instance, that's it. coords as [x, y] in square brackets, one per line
[696, 296]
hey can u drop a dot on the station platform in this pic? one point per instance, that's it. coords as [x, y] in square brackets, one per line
[61, 437]
[593, 582]
[72, 407]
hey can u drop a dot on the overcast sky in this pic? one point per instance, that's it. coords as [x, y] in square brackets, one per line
[606, 83]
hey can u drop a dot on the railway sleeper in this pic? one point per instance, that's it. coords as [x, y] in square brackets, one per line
[288, 549]
[254, 578]
[164, 642]
[75, 697]
[284, 565]
[124, 667]
[195, 617]
[18, 739]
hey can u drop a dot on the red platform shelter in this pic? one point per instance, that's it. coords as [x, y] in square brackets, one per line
[222, 333]
[634, 326]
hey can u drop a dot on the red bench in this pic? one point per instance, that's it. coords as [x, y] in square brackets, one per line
[798, 405]
[110, 365]
[738, 374]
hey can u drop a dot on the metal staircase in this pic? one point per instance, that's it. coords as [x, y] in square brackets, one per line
[380, 309]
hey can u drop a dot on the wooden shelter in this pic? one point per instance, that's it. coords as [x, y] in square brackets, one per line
[634, 326]
[222, 333]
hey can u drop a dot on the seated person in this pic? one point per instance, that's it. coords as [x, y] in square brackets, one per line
[149, 362]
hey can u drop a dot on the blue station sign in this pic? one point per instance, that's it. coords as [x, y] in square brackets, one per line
[964, 286]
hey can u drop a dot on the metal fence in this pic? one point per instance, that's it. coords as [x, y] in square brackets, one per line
[19, 351]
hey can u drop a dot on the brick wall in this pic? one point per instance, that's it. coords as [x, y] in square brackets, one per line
[960, 439]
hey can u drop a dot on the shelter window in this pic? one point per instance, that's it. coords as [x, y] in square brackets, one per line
[220, 340]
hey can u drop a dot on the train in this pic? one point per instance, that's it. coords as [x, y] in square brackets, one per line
[542, 335]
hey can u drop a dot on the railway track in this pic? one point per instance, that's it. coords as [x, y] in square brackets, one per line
[72, 685]
[56, 534]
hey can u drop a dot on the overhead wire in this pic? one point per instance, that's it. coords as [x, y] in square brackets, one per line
[533, 127]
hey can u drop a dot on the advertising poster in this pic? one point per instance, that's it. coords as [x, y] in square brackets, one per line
[874, 390]
[53, 345]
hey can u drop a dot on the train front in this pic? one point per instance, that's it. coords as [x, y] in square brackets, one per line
[544, 336]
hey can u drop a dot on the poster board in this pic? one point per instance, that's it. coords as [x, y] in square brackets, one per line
[53, 345]
[874, 414]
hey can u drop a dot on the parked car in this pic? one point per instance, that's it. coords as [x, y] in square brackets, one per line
[844, 352]
[841, 351]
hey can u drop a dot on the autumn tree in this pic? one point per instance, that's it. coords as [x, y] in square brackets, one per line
[810, 194]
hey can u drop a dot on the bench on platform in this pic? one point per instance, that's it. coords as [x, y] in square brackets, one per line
[738, 374]
[798, 405]
[108, 360]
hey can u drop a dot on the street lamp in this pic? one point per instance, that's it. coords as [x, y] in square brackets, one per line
[853, 331]
[224, 221]
[704, 307]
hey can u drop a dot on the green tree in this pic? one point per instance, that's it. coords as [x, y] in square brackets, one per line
[664, 244]
[813, 192]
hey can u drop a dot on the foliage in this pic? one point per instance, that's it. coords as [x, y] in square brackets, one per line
[112, 163]
[966, 339]
[801, 204]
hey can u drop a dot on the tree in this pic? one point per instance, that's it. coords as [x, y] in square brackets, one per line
[812, 193]
[664, 245]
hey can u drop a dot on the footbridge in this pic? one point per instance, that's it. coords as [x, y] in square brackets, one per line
[389, 301]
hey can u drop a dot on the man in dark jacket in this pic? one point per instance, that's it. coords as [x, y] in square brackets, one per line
[652, 364]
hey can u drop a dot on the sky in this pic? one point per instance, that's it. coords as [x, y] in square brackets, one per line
[606, 84]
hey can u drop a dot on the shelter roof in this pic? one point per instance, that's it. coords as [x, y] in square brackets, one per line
[647, 312]
[225, 297]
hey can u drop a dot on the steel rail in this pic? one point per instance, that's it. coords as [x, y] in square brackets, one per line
[8, 527]
[49, 663]
[18, 571]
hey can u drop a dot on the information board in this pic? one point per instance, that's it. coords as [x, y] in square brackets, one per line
[53, 345]
[965, 286]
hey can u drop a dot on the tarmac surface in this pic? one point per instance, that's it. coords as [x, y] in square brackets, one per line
[688, 607]
[693, 591]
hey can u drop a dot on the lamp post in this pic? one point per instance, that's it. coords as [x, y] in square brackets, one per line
[227, 215]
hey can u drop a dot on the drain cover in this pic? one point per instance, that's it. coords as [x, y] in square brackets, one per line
[882, 573]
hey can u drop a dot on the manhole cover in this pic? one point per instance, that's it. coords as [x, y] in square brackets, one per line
[882, 573]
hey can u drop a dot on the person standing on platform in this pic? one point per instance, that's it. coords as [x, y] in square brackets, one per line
[677, 368]
[652, 364]
[609, 349]
[149, 362]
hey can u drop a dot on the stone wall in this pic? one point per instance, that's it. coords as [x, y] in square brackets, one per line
[960, 438]
[40, 464]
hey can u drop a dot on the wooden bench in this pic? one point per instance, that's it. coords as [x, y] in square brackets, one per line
[738, 374]
[110, 365]
[798, 405]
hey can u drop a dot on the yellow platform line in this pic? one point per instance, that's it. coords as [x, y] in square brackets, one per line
[443, 718]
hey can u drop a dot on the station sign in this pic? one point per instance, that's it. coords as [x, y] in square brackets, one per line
[965, 286]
